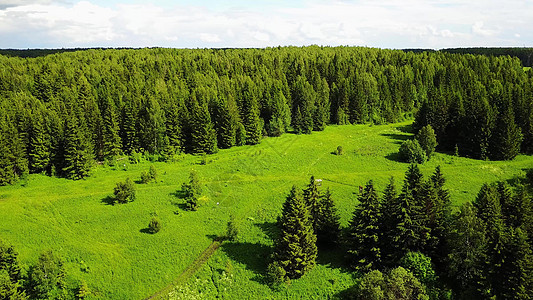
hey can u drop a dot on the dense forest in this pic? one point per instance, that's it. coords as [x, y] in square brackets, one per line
[62, 112]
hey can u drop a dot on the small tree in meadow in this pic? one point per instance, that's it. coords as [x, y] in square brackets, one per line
[192, 191]
[154, 226]
[411, 152]
[339, 151]
[124, 191]
[150, 175]
[427, 139]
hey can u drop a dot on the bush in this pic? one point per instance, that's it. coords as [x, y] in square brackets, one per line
[154, 226]
[150, 175]
[411, 152]
[339, 151]
[192, 191]
[275, 274]
[124, 191]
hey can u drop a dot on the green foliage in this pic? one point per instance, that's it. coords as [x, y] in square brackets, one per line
[192, 191]
[507, 137]
[397, 284]
[364, 236]
[124, 192]
[427, 140]
[154, 226]
[150, 175]
[328, 222]
[421, 267]
[339, 150]
[46, 279]
[411, 152]
[276, 274]
[78, 158]
[10, 274]
[295, 250]
[83, 290]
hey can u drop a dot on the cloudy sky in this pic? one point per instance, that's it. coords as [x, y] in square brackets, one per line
[263, 23]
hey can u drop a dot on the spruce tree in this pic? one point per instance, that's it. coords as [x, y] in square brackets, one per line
[467, 255]
[295, 250]
[111, 137]
[250, 112]
[506, 138]
[39, 148]
[225, 124]
[312, 199]
[151, 125]
[388, 223]
[427, 140]
[129, 132]
[77, 158]
[328, 227]
[364, 236]
[203, 135]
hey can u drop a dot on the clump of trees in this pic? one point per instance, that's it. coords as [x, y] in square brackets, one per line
[411, 152]
[150, 175]
[308, 218]
[124, 192]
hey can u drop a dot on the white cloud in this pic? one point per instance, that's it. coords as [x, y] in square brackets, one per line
[389, 24]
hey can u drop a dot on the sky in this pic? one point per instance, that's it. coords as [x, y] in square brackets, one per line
[394, 24]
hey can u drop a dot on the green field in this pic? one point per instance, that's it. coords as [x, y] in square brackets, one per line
[107, 246]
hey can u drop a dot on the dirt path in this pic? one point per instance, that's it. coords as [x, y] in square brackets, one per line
[190, 270]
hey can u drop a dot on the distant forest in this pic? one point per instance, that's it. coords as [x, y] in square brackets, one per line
[61, 112]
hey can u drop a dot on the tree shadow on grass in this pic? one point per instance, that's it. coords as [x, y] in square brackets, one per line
[399, 138]
[145, 230]
[394, 156]
[270, 229]
[108, 200]
[406, 128]
[254, 256]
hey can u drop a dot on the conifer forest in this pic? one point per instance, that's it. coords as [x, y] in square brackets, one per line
[274, 173]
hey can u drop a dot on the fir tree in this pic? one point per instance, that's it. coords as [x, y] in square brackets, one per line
[467, 254]
[506, 138]
[250, 113]
[364, 236]
[295, 249]
[151, 125]
[312, 199]
[192, 190]
[388, 223]
[225, 124]
[78, 157]
[13, 163]
[111, 137]
[427, 139]
[328, 225]
[129, 132]
[39, 148]
[203, 135]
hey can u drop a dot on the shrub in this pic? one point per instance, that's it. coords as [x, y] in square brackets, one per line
[427, 139]
[124, 191]
[154, 226]
[339, 151]
[192, 191]
[275, 274]
[411, 152]
[147, 176]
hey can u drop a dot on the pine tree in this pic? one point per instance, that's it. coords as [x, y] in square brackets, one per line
[388, 223]
[77, 158]
[413, 180]
[111, 137]
[203, 135]
[151, 125]
[225, 124]
[506, 138]
[515, 277]
[312, 199]
[192, 190]
[13, 163]
[295, 250]
[129, 132]
[467, 254]
[364, 236]
[328, 225]
[39, 148]
[46, 279]
[250, 113]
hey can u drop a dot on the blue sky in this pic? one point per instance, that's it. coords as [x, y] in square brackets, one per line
[265, 23]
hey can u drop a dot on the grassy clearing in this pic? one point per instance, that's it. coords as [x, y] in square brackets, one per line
[107, 245]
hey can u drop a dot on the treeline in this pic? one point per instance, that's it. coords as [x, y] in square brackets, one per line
[409, 244]
[59, 113]
[524, 54]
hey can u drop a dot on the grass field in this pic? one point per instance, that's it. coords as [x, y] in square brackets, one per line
[107, 246]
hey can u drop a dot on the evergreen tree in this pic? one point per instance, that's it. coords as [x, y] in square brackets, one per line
[203, 135]
[364, 236]
[515, 277]
[151, 125]
[295, 250]
[111, 137]
[39, 148]
[388, 223]
[192, 190]
[13, 163]
[46, 279]
[467, 254]
[312, 199]
[506, 138]
[225, 124]
[124, 192]
[78, 157]
[328, 225]
[250, 112]
[129, 132]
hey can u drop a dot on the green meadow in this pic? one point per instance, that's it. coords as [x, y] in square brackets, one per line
[108, 245]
